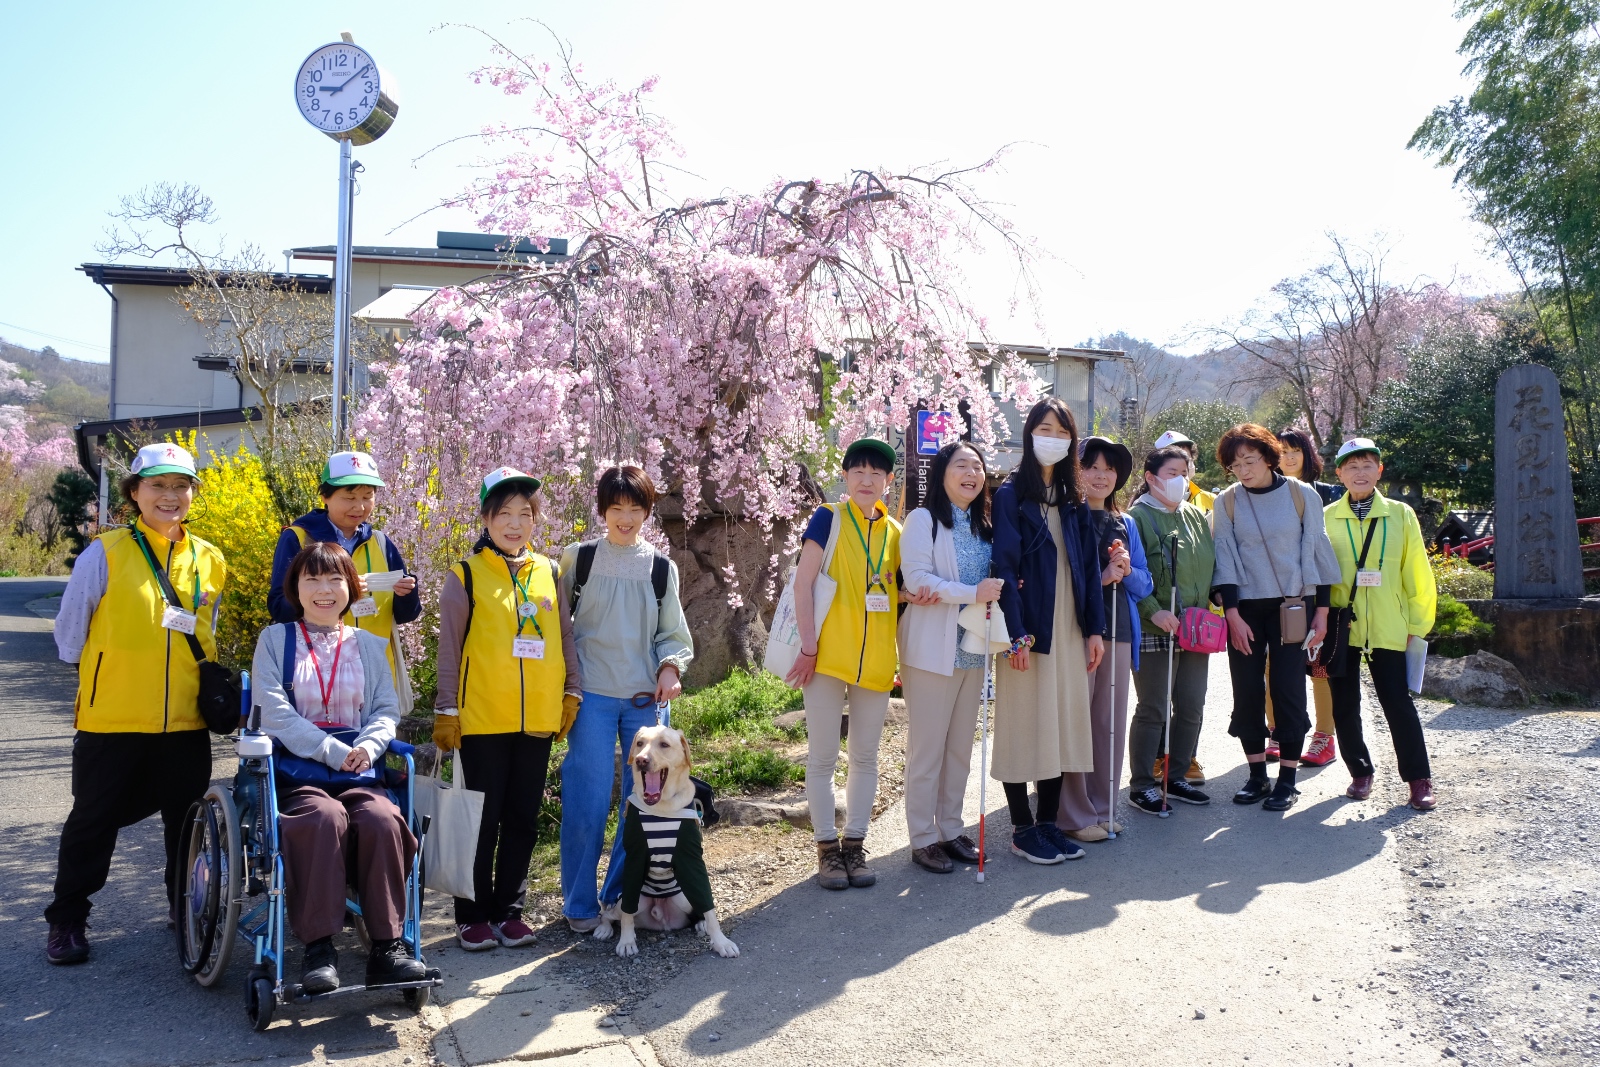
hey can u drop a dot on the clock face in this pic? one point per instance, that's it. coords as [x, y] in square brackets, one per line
[337, 88]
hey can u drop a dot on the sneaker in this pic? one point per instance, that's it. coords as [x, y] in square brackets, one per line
[582, 926]
[66, 943]
[1360, 788]
[1146, 800]
[933, 858]
[1196, 773]
[1182, 789]
[1063, 844]
[831, 872]
[1089, 834]
[1273, 752]
[320, 971]
[1422, 798]
[1282, 798]
[475, 937]
[1320, 752]
[513, 933]
[962, 849]
[390, 962]
[1255, 790]
[1034, 847]
[853, 852]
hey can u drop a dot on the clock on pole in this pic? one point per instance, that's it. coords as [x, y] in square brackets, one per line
[340, 90]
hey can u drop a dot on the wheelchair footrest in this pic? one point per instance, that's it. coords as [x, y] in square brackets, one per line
[292, 993]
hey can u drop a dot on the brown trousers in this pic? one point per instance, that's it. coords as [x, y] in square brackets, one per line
[320, 835]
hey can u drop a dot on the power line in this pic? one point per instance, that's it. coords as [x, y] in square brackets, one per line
[56, 337]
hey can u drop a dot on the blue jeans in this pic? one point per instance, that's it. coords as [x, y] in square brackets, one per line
[587, 777]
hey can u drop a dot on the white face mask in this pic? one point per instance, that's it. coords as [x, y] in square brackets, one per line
[1051, 450]
[1170, 492]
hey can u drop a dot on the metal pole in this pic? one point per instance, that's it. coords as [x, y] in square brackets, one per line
[341, 304]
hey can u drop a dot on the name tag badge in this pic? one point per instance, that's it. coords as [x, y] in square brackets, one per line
[1369, 579]
[877, 601]
[364, 607]
[177, 619]
[526, 609]
[527, 647]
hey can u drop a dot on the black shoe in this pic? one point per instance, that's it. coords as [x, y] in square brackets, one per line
[962, 849]
[390, 963]
[320, 972]
[1178, 789]
[1146, 800]
[66, 943]
[1282, 798]
[1068, 848]
[1254, 792]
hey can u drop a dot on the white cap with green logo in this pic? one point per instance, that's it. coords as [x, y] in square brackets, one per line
[1356, 446]
[351, 468]
[164, 458]
[501, 475]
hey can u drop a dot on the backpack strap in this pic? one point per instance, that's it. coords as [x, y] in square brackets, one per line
[472, 603]
[290, 648]
[580, 573]
[660, 571]
[300, 534]
[1299, 499]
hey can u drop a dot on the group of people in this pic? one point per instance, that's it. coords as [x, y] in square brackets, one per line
[1087, 589]
[1089, 592]
[530, 651]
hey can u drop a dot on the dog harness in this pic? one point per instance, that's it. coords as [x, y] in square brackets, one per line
[662, 857]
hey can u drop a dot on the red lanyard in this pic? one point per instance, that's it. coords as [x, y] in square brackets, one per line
[338, 650]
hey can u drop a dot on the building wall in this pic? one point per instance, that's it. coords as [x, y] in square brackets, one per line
[156, 345]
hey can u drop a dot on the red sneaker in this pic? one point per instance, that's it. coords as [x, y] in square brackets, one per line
[513, 933]
[1422, 794]
[1273, 752]
[475, 937]
[1320, 752]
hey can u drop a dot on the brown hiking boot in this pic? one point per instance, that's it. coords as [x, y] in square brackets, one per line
[831, 872]
[853, 850]
[1422, 798]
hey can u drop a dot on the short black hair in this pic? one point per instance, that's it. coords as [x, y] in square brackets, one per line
[626, 483]
[866, 453]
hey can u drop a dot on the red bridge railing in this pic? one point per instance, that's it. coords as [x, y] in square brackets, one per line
[1466, 548]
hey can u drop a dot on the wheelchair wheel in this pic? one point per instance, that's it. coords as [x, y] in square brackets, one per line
[417, 999]
[259, 1002]
[210, 886]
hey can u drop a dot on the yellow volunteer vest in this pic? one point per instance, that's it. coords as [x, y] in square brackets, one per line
[135, 676]
[855, 645]
[499, 693]
[1386, 615]
[368, 557]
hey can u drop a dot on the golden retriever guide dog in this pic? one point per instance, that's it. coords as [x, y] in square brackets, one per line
[664, 868]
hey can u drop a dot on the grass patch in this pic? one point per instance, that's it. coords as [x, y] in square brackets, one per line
[735, 738]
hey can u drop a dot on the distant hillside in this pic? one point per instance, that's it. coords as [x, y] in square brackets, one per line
[73, 389]
[1158, 378]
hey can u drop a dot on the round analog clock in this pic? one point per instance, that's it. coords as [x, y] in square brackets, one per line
[340, 91]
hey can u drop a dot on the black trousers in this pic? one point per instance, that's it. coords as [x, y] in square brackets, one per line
[509, 770]
[1251, 674]
[1388, 669]
[118, 780]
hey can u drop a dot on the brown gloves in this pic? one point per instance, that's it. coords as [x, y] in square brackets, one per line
[446, 731]
[569, 713]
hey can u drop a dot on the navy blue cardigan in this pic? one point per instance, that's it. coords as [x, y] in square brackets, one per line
[1025, 559]
[407, 608]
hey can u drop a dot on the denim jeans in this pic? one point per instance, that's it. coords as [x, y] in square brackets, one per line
[587, 777]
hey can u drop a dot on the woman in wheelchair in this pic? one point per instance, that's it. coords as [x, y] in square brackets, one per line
[337, 711]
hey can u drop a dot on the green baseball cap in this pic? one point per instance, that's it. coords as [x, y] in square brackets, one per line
[882, 448]
[350, 468]
[500, 476]
[1356, 446]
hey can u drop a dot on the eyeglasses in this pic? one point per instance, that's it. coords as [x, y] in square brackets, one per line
[1245, 463]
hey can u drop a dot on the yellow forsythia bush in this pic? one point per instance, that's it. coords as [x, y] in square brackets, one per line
[234, 511]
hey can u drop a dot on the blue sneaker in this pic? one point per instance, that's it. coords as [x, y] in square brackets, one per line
[1068, 848]
[1032, 845]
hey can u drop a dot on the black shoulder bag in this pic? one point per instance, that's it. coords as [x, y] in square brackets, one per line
[220, 695]
[1334, 659]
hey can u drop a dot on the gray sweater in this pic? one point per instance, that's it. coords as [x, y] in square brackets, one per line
[380, 708]
[1296, 555]
[622, 640]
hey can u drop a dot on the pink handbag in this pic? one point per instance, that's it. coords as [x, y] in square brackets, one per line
[1200, 630]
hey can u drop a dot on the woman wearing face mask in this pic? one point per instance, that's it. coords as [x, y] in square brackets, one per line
[1046, 553]
[508, 682]
[1162, 511]
[1086, 799]
[1394, 601]
[349, 491]
[945, 549]
[1273, 555]
[1300, 460]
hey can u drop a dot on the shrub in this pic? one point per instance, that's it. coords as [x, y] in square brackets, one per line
[1456, 630]
[234, 510]
[743, 769]
[1460, 580]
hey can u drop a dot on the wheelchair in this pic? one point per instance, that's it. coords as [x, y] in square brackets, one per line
[231, 881]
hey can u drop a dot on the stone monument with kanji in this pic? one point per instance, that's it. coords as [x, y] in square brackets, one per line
[1536, 554]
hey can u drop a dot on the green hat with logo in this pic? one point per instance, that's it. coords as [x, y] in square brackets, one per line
[882, 448]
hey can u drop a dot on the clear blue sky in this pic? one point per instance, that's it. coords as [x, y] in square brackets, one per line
[1177, 158]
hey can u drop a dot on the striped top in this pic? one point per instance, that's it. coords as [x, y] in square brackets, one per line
[661, 838]
[662, 857]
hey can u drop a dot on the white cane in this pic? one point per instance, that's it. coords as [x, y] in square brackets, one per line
[1111, 713]
[1172, 655]
[988, 695]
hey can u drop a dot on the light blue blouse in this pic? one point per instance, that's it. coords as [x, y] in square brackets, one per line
[972, 566]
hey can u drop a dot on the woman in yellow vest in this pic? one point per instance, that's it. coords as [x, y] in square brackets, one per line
[141, 745]
[388, 595]
[508, 687]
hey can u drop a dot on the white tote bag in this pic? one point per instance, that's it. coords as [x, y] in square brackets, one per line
[783, 638]
[451, 846]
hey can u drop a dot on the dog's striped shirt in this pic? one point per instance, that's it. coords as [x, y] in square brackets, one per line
[661, 835]
[663, 855]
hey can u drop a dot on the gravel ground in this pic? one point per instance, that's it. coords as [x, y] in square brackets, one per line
[1500, 945]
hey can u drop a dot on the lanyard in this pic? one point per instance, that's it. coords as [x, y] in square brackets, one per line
[338, 651]
[367, 549]
[875, 579]
[521, 587]
[1382, 548]
[194, 565]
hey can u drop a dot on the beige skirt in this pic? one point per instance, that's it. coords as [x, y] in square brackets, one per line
[1041, 715]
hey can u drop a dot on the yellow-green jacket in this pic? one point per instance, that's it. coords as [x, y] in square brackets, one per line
[1387, 615]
